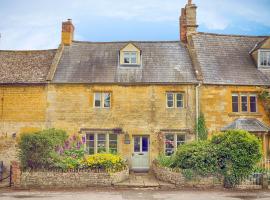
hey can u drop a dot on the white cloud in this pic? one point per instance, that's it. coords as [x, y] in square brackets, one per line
[31, 24]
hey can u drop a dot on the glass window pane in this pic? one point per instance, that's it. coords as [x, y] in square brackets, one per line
[113, 143]
[97, 100]
[126, 58]
[253, 104]
[90, 137]
[244, 104]
[137, 144]
[90, 143]
[181, 139]
[134, 58]
[265, 58]
[101, 143]
[91, 151]
[179, 100]
[170, 100]
[145, 144]
[235, 106]
[107, 100]
[113, 137]
[169, 144]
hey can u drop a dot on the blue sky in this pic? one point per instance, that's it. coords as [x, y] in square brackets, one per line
[36, 24]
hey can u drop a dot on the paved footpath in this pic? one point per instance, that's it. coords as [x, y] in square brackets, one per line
[133, 194]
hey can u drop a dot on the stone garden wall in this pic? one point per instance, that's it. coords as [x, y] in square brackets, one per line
[177, 178]
[69, 179]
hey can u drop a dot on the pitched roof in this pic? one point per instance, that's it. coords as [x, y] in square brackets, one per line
[259, 45]
[25, 66]
[251, 125]
[93, 62]
[225, 59]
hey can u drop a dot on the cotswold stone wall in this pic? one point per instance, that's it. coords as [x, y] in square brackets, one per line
[70, 179]
[8, 152]
[177, 178]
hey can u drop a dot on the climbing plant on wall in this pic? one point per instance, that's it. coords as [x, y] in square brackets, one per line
[201, 128]
[264, 96]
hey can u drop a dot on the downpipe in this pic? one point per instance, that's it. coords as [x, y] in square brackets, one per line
[197, 109]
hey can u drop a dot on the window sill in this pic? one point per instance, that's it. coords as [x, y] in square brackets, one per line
[245, 114]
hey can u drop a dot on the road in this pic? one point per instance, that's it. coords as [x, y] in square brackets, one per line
[133, 194]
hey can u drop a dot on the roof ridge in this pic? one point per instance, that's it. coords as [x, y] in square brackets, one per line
[27, 51]
[232, 35]
[128, 41]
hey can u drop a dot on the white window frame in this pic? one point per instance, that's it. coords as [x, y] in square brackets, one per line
[175, 100]
[107, 141]
[241, 103]
[102, 103]
[236, 95]
[268, 57]
[130, 57]
[256, 102]
[248, 95]
[175, 140]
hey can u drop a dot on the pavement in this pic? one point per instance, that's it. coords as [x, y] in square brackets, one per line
[143, 180]
[133, 194]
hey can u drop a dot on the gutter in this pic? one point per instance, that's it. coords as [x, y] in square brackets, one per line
[197, 109]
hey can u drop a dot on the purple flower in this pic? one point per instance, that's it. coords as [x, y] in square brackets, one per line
[83, 140]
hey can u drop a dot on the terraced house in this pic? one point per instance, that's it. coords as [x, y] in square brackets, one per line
[138, 98]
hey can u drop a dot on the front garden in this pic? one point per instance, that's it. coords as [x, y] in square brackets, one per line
[51, 158]
[230, 156]
[53, 149]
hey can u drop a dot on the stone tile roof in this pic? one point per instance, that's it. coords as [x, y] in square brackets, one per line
[87, 62]
[25, 66]
[251, 125]
[225, 59]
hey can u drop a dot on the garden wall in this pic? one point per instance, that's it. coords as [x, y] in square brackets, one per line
[177, 178]
[69, 179]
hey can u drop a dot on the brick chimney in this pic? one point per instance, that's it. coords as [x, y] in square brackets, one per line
[188, 21]
[67, 32]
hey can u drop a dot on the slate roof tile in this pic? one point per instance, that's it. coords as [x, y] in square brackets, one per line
[225, 59]
[87, 62]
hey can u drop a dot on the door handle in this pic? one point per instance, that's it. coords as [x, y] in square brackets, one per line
[141, 154]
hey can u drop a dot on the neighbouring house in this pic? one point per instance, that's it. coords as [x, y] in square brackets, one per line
[232, 70]
[138, 98]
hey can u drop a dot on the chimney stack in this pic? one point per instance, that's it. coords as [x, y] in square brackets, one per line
[67, 32]
[188, 21]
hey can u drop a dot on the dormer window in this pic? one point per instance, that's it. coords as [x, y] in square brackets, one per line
[264, 58]
[130, 58]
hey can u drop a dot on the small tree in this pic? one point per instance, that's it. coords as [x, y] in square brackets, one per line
[201, 128]
[238, 152]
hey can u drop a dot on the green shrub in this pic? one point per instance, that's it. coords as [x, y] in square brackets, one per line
[165, 161]
[197, 156]
[70, 159]
[37, 150]
[238, 152]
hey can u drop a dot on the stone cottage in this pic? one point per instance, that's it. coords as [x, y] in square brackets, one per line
[137, 98]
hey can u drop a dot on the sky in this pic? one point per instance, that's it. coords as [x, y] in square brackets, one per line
[36, 24]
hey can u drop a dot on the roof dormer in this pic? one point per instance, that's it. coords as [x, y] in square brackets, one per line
[130, 56]
[261, 54]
